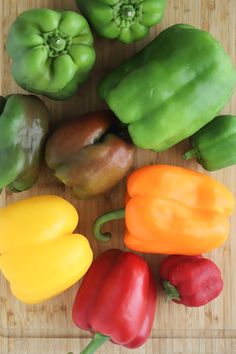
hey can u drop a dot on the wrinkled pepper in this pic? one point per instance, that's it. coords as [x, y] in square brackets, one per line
[89, 155]
[214, 145]
[24, 125]
[172, 88]
[172, 210]
[190, 280]
[125, 20]
[116, 300]
[52, 52]
[39, 254]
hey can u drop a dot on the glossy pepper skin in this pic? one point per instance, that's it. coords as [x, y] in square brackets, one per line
[190, 280]
[39, 254]
[24, 125]
[116, 300]
[52, 52]
[125, 20]
[87, 155]
[172, 88]
[172, 210]
[214, 145]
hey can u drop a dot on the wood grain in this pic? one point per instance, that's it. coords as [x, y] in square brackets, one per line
[48, 328]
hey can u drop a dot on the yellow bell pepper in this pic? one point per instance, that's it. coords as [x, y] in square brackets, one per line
[39, 254]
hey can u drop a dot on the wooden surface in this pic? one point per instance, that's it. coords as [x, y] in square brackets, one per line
[48, 328]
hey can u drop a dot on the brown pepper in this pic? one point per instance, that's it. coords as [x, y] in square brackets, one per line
[89, 155]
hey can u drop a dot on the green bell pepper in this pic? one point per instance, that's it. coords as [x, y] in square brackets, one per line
[52, 52]
[125, 20]
[24, 124]
[214, 145]
[172, 88]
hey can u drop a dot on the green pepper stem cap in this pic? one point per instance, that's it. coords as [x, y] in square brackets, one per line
[113, 215]
[190, 154]
[58, 43]
[171, 291]
[128, 11]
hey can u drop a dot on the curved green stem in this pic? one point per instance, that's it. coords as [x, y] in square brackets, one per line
[190, 154]
[95, 343]
[113, 215]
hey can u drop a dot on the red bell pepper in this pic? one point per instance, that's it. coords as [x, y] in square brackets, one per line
[190, 280]
[116, 300]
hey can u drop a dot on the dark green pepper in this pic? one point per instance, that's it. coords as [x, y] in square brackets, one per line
[24, 124]
[52, 52]
[90, 154]
[172, 88]
[214, 145]
[125, 20]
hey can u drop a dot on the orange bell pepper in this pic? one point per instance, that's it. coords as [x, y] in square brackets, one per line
[172, 210]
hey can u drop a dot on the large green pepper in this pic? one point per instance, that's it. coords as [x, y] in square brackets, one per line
[215, 144]
[52, 52]
[172, 88]
[24, 123]
[125, 20]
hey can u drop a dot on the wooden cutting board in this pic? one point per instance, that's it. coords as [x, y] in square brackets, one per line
[48, 328]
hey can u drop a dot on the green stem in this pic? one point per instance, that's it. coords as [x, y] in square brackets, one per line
[58, 44]
[171, 291]
[190, 154]
[113, 215]
[128, 11]
[95, 343]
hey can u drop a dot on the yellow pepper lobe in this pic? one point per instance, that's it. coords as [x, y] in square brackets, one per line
[39, 254]
[35, 220]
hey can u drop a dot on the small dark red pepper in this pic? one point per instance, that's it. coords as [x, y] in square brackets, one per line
[116, 300]
[190, 280]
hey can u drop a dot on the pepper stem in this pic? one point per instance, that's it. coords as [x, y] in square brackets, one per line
[171, 291]
[128, 11]
[95, 343]
[113, 215]
[190, 154]
[58, 44]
